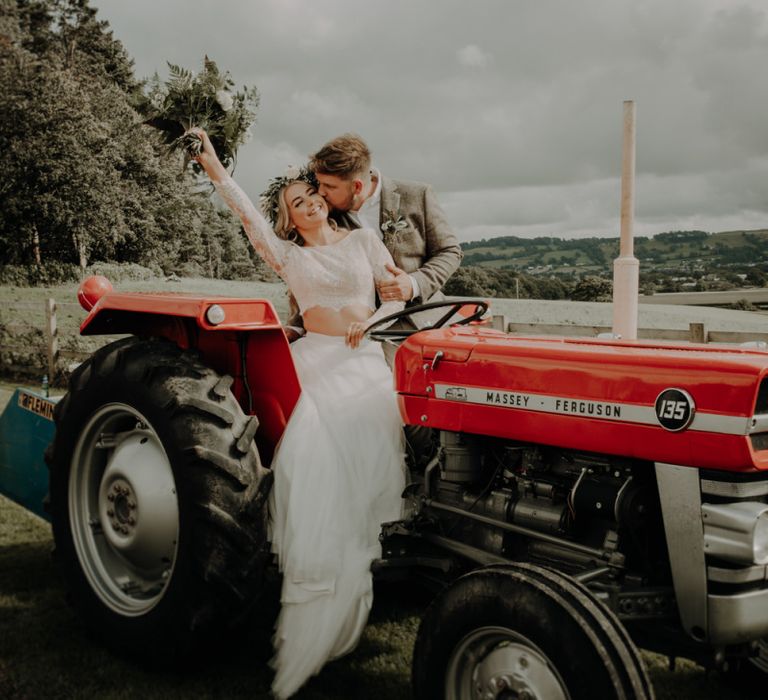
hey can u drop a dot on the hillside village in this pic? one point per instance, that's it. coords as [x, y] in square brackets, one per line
[669, 262]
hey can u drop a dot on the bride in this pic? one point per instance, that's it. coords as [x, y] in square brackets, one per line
[339, 468]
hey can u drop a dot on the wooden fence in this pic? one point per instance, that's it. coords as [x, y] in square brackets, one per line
[696, 333]
[42, 316]
[55, 357]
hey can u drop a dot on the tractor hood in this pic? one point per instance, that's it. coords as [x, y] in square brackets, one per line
[697, 405]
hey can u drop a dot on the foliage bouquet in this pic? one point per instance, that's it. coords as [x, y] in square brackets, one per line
[206, 100]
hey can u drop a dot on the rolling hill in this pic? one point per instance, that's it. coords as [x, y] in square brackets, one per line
[675, 250]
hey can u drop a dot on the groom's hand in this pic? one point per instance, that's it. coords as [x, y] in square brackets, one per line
[399, 288]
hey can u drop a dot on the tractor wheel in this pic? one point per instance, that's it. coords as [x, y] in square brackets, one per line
[750, 675]
[158, 500]
[522, 631]
[758, 665]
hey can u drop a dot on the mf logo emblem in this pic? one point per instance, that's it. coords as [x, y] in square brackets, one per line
[675, 409]
[456, 393]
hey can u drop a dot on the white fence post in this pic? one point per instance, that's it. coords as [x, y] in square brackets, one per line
[52, 335]
[698, 332]
[499, 322]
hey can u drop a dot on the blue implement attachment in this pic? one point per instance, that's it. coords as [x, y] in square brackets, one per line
[26, 429]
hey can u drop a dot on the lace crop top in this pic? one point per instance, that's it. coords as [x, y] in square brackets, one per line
[331, 276]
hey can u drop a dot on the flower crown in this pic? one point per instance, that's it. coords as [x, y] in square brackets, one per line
[269, 198]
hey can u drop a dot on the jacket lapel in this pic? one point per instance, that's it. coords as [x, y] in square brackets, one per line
[389, 206]
[344, 220]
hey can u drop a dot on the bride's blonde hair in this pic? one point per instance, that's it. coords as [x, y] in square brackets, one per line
[274, 206]
[284, 227]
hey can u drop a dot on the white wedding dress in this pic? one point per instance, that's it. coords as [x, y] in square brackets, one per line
[339, 467]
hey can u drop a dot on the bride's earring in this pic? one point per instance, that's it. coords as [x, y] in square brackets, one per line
[295, 237]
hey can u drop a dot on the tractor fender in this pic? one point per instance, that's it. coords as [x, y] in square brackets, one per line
[241, 338]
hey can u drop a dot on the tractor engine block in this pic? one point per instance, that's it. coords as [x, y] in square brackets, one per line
[572, 497]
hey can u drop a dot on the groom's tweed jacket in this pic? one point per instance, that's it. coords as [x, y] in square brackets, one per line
[427, 249]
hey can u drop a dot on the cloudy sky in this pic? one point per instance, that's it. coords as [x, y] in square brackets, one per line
[512, 109]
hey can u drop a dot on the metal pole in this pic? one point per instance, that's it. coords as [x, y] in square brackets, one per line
[626, 268]
[52, 336]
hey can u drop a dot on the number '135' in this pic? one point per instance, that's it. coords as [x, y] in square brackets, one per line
[673, 409]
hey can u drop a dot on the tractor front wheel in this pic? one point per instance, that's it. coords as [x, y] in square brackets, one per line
[750, 674]
[522, 631]
[158, 499]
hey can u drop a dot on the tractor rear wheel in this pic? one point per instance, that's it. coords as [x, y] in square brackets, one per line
[522, 631]
[158, 499]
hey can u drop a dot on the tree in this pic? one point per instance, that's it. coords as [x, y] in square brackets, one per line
[83, 180]
[593, 289]
[743, 305]
[756, 277]
[470, 282]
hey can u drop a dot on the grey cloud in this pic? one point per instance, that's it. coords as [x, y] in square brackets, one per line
[479, 98]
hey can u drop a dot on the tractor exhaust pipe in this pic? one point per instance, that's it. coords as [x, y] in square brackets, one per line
[626, 268]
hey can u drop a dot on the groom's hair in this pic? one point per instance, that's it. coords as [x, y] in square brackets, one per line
[346, 156]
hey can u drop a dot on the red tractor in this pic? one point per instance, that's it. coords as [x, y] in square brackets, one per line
[582, 496]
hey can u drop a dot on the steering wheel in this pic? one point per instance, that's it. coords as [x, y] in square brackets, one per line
[481, 306]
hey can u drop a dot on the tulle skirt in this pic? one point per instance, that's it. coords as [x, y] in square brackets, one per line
[339, 473]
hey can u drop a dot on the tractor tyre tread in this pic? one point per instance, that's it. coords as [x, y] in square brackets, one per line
[582, 637]
[223, 551]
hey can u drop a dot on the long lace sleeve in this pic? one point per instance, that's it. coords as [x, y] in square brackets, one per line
[379, 257]
[272, 249]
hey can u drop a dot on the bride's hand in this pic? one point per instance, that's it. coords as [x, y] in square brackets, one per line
[207, 147]
[355, 333]
[208, 158]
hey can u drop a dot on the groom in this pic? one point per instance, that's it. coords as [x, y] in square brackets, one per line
[405, 214]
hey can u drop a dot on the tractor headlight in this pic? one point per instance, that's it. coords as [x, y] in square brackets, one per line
[761, 539]
[736, 532]
[215, 315]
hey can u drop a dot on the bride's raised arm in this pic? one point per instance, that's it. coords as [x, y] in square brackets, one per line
[272, 249]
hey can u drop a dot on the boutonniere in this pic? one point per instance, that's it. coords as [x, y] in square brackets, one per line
[393, 225]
